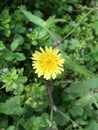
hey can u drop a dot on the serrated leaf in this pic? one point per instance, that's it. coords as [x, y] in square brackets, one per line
[37, 123]
[84, 86]
[14, 81]
[93, 125]
[74, 111]
[12, 106]
[75, 67]
[60, 120]
[74, 43]
[85, 100]
[37, 20]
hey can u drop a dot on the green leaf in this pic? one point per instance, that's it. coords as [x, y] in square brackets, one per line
[93, 125]
[60, 120]
[11, 128]
[2, 46]
[95, 26]
[5, 17]
[96, 56]
[74, 43]
[37, 20]
[7, 33]
[84, 86]
[12, 106]
[14, 44]
[8, 55]
[18, 30]
[74, 111]
[14, 81]
[18, 40]
[33, 18]
[3, 121]
[39, 100]
[19, 56]
[2, 62]
[37, 123]
[87, 99]
[77, 68]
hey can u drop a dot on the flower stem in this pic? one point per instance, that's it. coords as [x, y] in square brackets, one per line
[52, 106]
[3, 87]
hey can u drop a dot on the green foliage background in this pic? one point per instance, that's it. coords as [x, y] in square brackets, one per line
[72, 27]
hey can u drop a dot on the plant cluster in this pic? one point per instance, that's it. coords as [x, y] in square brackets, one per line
[55, 40]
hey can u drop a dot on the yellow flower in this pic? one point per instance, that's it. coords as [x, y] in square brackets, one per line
[48, 62]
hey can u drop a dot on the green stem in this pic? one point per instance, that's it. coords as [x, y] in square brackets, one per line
[51, 106]
[69, 127]
[78, 25]
[2, 87]
[53, 36]
[54, 108]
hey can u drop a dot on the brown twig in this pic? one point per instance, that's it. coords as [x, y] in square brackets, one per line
[94, 3]
[49, 91]
[54, 107]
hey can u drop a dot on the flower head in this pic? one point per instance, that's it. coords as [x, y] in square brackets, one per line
[30, 29]
[76, 25]
[48, 62]
[5, 70]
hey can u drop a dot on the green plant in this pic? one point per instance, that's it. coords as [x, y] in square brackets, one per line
[66, 103]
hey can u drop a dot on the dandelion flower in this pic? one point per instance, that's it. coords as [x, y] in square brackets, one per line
[48, 62]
